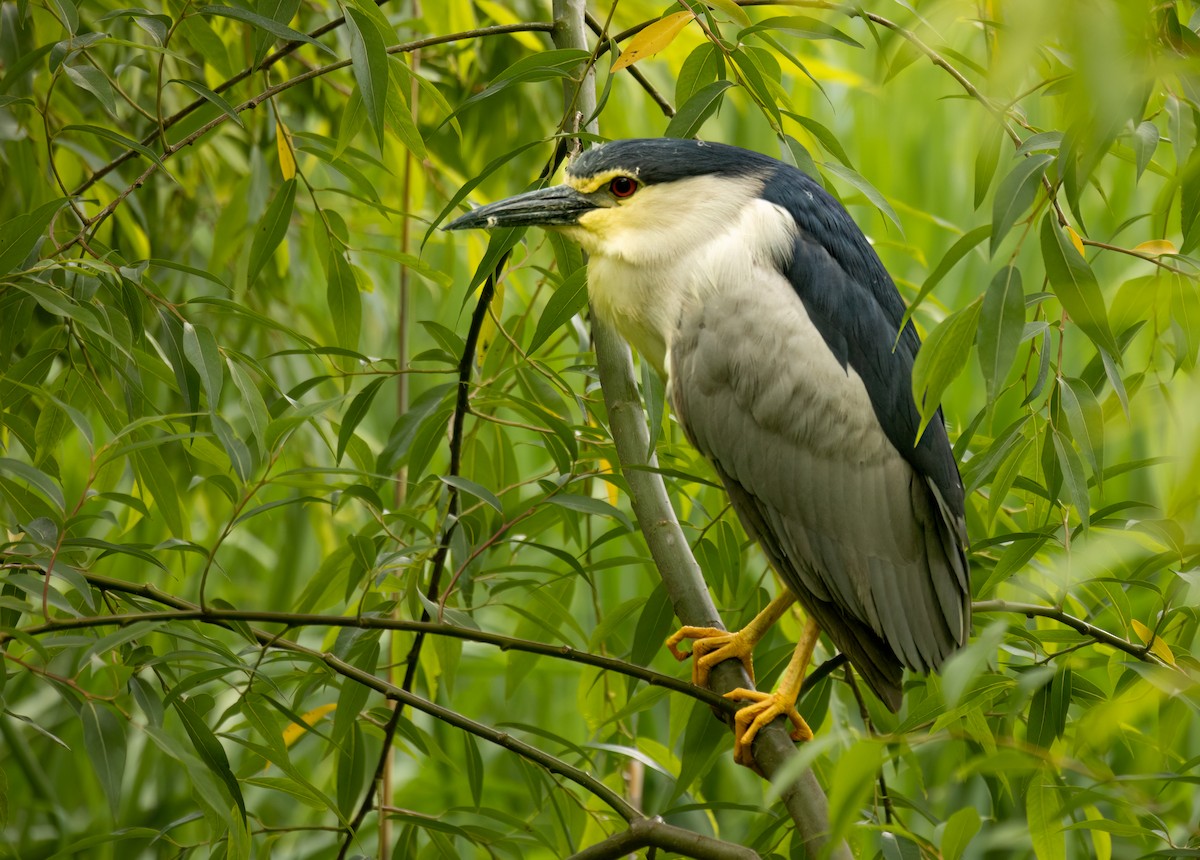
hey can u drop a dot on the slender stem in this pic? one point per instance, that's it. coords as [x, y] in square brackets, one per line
[654, 833]
[1142, 652]
[225, 617]
[681, 574]
[390, 691]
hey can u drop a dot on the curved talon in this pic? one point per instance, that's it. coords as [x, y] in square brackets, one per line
[765, 707]
[712, 646]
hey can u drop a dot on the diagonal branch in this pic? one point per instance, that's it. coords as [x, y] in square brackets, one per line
[227, 617]
[1142, 652]
[681, 575]
[390, 691]
[655, 833]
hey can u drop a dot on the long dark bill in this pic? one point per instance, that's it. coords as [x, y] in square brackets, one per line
[557, 206]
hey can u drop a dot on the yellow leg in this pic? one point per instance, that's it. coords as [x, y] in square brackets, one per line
[713, 646]
[767, 706]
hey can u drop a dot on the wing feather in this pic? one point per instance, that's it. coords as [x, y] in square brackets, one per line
[868, 544]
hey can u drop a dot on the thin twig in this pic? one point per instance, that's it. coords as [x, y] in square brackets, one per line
[226, 617]
[1142, 652]
[391, 691]
[655, 833]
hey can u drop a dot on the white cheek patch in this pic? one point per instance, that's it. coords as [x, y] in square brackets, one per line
[670, 220]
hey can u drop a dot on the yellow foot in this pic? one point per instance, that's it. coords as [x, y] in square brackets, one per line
[710, 647]
[764, 708]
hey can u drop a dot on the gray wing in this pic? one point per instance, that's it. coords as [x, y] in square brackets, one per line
[866, 543]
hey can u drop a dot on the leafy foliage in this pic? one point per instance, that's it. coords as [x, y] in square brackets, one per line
[239, 467]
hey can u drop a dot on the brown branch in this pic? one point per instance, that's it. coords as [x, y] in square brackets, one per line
[653, 832]
[1142, 652]
[681, 575]
[390, 691]
[227, 617]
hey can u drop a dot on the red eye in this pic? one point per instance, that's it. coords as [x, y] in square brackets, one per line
[622, 187]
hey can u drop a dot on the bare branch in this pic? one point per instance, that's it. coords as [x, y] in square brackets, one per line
[1142, 652]
[226, 617]
[653, 832]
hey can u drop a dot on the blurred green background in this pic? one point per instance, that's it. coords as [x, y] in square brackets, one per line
[229, 337]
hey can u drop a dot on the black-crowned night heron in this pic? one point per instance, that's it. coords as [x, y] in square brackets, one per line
[778, 332]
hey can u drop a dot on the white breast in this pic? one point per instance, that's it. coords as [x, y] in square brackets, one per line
[644, 272]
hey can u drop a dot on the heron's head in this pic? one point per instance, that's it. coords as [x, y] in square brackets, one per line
[639, 200]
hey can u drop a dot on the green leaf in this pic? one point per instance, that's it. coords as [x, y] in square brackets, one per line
[1015, 194]
[588, 505]
[477, 490]
[1042, 811]
[153, 473]
[802, 27]
[653, 627]
[692, 113]
[654, 396]
[755, 81]
[273, 27]
[957, 251]
[868, 190]
[568, 299]
[474, 767]
[369, 59]
[358, 409]
[1076, 286]
[1185, 320]
[19, 236]
[958, 832]
[209, 749]
[1145, 141]
[271, 229]
[104, 740]
[1074, 477]
[400, 114]
[37, 479]
[705, 739]
[985, 164]
[701, 68]
[558, 63]
[1001, 324]
[802, 158]
[351, 770]
[826, 137]
[941, 358]
[852, 783]
[119, 139]
[200, 348]
[235, 448]
[93, 80]
[1085, 418]
[1048, 710]
[343, 299]
[211, 97]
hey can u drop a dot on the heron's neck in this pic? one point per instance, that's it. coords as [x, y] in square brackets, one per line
[644, 297]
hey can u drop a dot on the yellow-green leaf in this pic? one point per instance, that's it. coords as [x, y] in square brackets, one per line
[1158, 646]
[653, 39]
[287, 158]
[295, 731]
